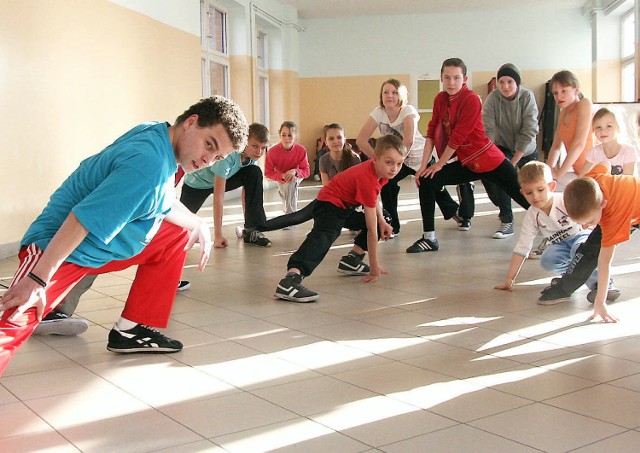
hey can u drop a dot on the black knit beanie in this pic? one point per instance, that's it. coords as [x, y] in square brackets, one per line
[510, 70]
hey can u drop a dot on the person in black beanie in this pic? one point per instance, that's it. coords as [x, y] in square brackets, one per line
[510, 117]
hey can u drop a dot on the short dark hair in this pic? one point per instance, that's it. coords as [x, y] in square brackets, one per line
[259, 132]
[457, 62]
[220, 110]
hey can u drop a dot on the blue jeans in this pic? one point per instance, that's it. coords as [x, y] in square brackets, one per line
[557, 257]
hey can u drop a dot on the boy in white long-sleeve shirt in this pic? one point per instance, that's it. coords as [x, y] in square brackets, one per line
[548, 217]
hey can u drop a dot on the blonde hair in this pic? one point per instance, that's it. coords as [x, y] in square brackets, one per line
[389, 142]
[582, 196]
[534, 171]
[403, 94]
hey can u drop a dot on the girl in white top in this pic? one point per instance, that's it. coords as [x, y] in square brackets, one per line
[395, 117]
[622, 157]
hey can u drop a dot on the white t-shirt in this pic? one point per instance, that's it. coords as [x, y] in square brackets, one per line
[555, 227]
[626, 155]
[386, 127]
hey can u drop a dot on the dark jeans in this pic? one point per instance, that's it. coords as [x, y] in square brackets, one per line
[328, 221]
[499, 197]
[504, 175]
[249, 177]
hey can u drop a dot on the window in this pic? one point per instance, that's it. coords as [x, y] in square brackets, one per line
[214, 55]
[262, 64]
[627, 58]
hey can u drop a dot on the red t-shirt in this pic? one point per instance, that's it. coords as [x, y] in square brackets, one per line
[622, 193]
[357, 185]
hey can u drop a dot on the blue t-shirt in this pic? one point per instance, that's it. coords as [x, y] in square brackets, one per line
[225, 168]
[120, 195]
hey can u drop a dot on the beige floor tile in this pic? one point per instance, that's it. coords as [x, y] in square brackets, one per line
[313, 396]
[16, 419]
[604, 402]
[622, 443]
[459, 438]
[226, 414]
[299, 435]
[599, 368]
[547, 428]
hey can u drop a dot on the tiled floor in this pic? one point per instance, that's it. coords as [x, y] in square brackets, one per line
[428, 358]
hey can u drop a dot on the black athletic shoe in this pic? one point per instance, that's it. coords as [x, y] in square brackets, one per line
[465, 225]
[424, 245]
[290, 288]
[254, 237]
[351, 264]
[612, 294]
[184, 284]
[553, 295]
[58, 323]
[141, 338]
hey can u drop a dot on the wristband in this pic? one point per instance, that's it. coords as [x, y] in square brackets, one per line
[37, 279]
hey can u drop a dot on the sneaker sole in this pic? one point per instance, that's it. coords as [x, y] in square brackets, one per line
[356, 273]
[69, 327]
[463, 228]
[553, 301]
[302, 300]
[184, 287]
[502, 236]
[258, 245]
[144, 350]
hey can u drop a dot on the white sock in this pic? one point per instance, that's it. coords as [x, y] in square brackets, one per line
[431, 235]
[125, 324]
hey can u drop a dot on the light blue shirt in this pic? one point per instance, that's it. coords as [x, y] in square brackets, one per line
[120, 195]
[225, 168]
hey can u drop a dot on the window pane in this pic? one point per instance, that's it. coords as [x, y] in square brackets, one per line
[263, 101]
[628, 35]
[629, 83]
[216, 33]
[218, 80]
[262, 50]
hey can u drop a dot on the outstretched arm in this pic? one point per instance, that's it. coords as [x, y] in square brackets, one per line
[27, 293]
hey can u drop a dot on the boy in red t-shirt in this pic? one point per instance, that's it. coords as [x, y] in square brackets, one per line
[358, 185]
[458, 111]
[613, 202]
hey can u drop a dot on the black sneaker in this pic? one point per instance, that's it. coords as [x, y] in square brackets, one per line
[505, 231]
[465, 225]
[57, 323]
[254, 237]
[553, 295]
[351, 264]
[141, 338]
[612, 294]
[184, 284]
[290, 288]
[424, 245]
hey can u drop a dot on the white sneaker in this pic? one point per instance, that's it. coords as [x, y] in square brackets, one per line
[505, 231]
[239, 232]
[57, 323]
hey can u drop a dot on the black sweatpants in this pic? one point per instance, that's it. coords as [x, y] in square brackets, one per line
[504, 176]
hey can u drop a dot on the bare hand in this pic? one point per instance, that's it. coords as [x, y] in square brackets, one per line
[601, 311]
[289, 175]
[506, 286]
[220, 242]
[374, 273]
[201, 235]
[386, 231]
[432, 170]
[24, 295]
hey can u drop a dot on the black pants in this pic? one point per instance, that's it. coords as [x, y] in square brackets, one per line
[391, 190]
[249, 177]
[499, 197]
[504, 175]
[328, 221]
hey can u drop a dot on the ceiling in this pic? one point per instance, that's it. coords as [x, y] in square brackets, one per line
[313, 9]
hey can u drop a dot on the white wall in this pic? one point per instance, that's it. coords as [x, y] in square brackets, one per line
[531, 38]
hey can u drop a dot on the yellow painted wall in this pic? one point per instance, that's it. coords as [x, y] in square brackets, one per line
[607, 81]
[240, 73]
[344, 100]
[74, 75]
